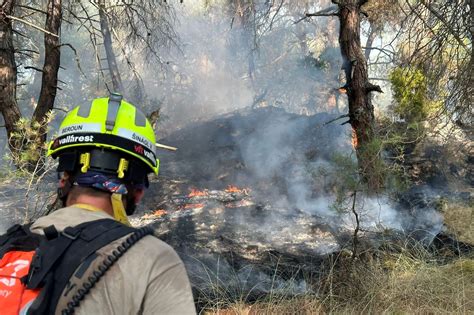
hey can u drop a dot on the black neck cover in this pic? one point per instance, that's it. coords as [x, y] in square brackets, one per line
[106, 162]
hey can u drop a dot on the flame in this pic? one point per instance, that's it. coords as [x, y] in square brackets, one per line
[155, 214]
[235, 189]
[195, 192]
[194, 206]
[354, 139]
[160, 213]
[231, 189]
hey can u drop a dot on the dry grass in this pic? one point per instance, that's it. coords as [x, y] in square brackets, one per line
[407, 282]
[459, 218]
[403, 278]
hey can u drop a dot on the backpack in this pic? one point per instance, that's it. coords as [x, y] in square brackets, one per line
[36, 271]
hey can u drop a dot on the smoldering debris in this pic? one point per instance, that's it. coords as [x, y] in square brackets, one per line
[253, 189]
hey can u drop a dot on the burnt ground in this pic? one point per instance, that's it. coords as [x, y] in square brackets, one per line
[262, 218]
[274, 227]
[253, 238]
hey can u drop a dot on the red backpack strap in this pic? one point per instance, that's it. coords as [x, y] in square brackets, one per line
[17, 248]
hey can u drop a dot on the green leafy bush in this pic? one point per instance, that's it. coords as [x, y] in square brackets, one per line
[410, 92]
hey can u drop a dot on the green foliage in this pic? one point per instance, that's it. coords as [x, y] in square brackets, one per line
[410, 91]
[343, 177]
[29, 144]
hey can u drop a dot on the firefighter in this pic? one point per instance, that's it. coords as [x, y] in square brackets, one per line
[105, 151]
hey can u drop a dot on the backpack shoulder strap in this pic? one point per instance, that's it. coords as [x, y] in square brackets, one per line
[100, 270]
[56, 260]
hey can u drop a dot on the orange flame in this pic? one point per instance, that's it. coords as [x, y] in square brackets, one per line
[194, 193]
[160, 213]
[194, 206]
[155, 214]
[232, 189]
[235, 189]
[354, 139]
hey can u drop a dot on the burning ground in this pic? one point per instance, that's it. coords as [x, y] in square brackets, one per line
[248, 200]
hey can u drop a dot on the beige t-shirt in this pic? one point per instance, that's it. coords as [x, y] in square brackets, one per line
[148, 279]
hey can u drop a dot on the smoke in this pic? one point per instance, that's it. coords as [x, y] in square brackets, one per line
[220, 67]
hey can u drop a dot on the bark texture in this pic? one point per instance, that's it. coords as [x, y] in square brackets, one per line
[358, 87]
[52, 58]
[8, 72]
[244, 19]
[109, 50]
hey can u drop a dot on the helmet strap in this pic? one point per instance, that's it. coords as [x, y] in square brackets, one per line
[119, 210]
[131, 205]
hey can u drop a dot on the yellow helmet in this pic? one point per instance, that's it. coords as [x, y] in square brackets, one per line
[118, 134]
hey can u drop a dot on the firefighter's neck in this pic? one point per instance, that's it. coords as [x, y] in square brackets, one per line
[100, 202]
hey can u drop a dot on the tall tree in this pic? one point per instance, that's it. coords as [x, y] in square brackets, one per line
[8, 79]
[358, 88]
[52, 59]
[8, 72]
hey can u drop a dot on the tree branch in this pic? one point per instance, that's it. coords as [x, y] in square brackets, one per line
[34, 68]
[373, 88]
[331, 11]
[31, 8]
[448, 26]
[337, 118]
[31, 24]
[76, 57]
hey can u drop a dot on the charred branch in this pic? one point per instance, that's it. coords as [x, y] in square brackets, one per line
[331, 11]
[337, 118]
[373, 88]
[346, 122]
[31, 8]
[33, 68]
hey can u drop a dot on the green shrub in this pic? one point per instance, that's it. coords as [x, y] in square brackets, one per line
[410, 92]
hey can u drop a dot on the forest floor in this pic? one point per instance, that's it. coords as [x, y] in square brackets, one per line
[246, 253]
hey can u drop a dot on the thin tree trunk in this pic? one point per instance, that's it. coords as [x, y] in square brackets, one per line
[245, 17]
[361, 111]
[370, 41]
[8, 73]
[109, 50]
[52, 56]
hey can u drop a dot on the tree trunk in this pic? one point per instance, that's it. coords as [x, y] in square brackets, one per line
[52, 56]
[470, 82]
[8, 73]
[245, 19]
[109, 50]
[361, 111]
[370, 41]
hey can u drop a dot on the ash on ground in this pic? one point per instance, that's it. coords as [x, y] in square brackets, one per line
[247, 201]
